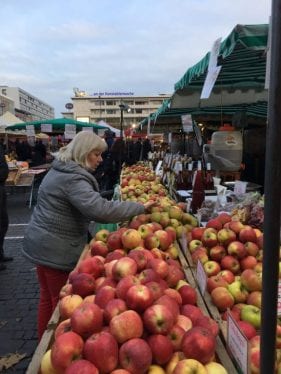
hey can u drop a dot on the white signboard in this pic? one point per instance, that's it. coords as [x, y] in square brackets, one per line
[186, 121]
[214, 54]
[237, 344]
[30, 130]
[158, 167]
[47, 127]
[201, 277]
[210, 81]
[70, 131]
[90, 129]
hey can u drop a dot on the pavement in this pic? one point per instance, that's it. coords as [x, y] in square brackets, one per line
[19, 292]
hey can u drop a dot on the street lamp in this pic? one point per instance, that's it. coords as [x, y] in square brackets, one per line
[123, 107]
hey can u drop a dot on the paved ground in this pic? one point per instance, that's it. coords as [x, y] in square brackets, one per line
[18, 290]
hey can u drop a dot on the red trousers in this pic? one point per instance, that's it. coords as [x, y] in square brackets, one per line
[51, 282]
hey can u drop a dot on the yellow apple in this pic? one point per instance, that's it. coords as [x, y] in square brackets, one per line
[177, 356]
[215, 368]
[46, 364]
[155, 369]
[189, 366]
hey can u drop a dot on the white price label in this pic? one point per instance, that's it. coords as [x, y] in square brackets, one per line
[201, 277]
[240, 187]
[47, 127]
[237, 344]
[90, 129]
[30, 130]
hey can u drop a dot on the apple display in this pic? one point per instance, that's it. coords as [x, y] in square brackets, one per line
[175, 274]
[145, 230]
[177, 356]
[174, 294]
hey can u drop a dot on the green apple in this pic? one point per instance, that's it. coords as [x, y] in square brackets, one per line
[252, 314]
[238, 291]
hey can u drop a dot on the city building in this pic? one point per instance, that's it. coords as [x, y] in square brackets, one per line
[27, 107]
[105, 106]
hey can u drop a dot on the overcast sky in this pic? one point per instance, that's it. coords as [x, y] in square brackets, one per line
[143, 46]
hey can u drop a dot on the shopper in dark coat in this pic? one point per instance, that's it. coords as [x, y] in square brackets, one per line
[146, 148]
[4, 219]
[137, 150]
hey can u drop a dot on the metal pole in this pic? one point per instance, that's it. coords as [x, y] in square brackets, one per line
[272, 201]
[121, 124]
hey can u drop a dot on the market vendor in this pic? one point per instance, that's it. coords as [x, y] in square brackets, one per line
[68, 199]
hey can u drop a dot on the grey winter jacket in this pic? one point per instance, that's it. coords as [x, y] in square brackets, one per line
[68, 199]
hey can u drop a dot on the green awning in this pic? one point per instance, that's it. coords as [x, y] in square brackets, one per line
[57, 124]
[243, 59]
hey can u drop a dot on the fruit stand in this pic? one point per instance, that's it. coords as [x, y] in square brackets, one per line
[162, 288]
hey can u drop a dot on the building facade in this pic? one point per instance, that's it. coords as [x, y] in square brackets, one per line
[106, 107]
[27, 107]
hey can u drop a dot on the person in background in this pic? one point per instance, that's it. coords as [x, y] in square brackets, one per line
[68, 200]
[40, 153]
[146, 148]
[137, 151]
[4, 219]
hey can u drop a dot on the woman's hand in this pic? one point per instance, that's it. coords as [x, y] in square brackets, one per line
[149, 204]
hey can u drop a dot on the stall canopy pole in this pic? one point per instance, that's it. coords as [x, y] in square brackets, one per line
[272, 200]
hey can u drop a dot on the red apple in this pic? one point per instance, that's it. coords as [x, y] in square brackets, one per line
[91, 265]
[215, 223]
[161, 348]
[98, 247]
[114, 255]
[83, 284]
[148, 275]
[140, 257]
[175, 336]
[135, 356]
[139, 297]
[236, 249]
[217, 253]
[113, 308]
[222, 298]
[215, 281]
[65, 290]
[174, 275]
[66, 348]
[248, 330]
[224, 217]
[236, 226]
[158, 319]
[114, 241]
[101, 349]
[226, 236]
[251, 280]
[165, 239]
[86, 319]
[63, 327]
[105, 281]
[251, 248]
[104, 295]
[200, 344]
[209, 238]
[184, 322]
[156, 289]
[230, 263]
[170, 303]
[188, 294]
[247, 234]
[248, 262]
[159, 266]
[174, 294]
[123, 267]
[191, 311]
[227, 275]
[124, 284]
[197, 232]
[145, 230]
[151, 241]
[200, 254]
[254, 298]
[131, 238]
[126, 325]
[81, 366]
[172, 231]
[209, 324]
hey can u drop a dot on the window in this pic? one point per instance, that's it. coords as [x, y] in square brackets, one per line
[4, 91]
[110, 111]
[138, 111]
[141, 102]
[110, 102]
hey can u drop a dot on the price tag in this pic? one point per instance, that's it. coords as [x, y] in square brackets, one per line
[30, 130]
[201, 277]
[237, 344]
[70, 131]
[47, 127]
[240, 187]
[279, 299]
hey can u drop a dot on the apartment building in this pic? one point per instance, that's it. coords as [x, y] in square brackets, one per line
[27, 106]
[106, 106]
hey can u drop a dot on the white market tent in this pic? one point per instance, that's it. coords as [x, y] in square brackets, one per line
[111, 128]
[7, 119]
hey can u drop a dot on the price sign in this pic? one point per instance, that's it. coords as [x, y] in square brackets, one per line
[240, 187]
[47, 127]
[237, 344]
[90, 129]
[70, 131]
[30, 130]
[201, 277]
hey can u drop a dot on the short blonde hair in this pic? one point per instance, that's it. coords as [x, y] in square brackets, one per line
[80, 146]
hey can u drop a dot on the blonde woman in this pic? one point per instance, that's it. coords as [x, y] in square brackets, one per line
[68, 199]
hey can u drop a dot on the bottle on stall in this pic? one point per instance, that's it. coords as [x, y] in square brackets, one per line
[209, 181]
[198, 191]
